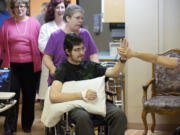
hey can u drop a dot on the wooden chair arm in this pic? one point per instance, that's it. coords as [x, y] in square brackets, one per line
[145, 88]
[149, 82]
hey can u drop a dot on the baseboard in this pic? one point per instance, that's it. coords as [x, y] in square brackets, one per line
[163, 127]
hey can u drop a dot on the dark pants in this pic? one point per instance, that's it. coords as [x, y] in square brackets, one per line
[115, 119]
[22, 78]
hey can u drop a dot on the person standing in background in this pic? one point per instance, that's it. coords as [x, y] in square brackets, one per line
[19, 42]
[41, 17]
[54, 53]
[4, 13]
[54, 21]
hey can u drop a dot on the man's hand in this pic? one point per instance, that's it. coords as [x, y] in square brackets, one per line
[89, 95]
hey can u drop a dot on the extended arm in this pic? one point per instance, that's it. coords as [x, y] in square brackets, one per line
[156, 59]
[161, 60]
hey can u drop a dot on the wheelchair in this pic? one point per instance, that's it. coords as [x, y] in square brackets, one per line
[112, 87]
[67, 127]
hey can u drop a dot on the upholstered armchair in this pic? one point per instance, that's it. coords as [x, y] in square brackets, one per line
[165, 98]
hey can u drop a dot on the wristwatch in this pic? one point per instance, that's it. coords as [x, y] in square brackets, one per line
[122, 60]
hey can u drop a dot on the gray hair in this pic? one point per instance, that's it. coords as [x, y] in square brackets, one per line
[44, 6]
[72, 9]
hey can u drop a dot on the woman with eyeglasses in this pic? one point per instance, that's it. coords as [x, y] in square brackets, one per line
[54, 21]
[19, 42]
[54, 52]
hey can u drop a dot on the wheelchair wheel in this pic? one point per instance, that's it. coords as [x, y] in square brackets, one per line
[59, 130]
[55, 131]
[49, 131]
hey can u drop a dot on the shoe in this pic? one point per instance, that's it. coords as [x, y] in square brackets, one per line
[8, 132]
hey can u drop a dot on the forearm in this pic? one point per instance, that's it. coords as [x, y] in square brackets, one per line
[64, 97]
[56, 96]
[156, 59]
[167, 61]
[48, 62]
[146, 57]
[115, 71]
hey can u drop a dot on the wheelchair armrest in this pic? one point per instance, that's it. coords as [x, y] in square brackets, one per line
[111, 93]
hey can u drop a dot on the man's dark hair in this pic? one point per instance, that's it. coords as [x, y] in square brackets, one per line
[72, 39]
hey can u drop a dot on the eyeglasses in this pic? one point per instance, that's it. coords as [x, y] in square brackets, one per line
[78, 18]
[77, 50]
[19, 7]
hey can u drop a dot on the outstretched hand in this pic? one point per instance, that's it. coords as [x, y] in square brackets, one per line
[123, 50]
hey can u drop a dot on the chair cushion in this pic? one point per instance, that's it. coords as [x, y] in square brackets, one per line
[171, 103]
[52, 112]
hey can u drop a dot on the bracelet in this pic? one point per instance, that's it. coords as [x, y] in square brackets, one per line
[121, 60]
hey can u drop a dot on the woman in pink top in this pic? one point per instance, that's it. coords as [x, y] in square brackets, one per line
[19, 43]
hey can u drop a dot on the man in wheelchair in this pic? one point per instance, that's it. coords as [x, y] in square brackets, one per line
[74, 68]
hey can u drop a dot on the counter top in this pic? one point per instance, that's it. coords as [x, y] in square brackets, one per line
[105, 55]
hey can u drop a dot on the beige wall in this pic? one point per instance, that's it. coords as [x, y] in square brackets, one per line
[151, 26]
[36, 4]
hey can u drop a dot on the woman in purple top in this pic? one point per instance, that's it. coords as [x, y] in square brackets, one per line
[54, 52]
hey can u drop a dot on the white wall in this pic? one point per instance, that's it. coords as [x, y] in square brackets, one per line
[169, 24]
[151, 26]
